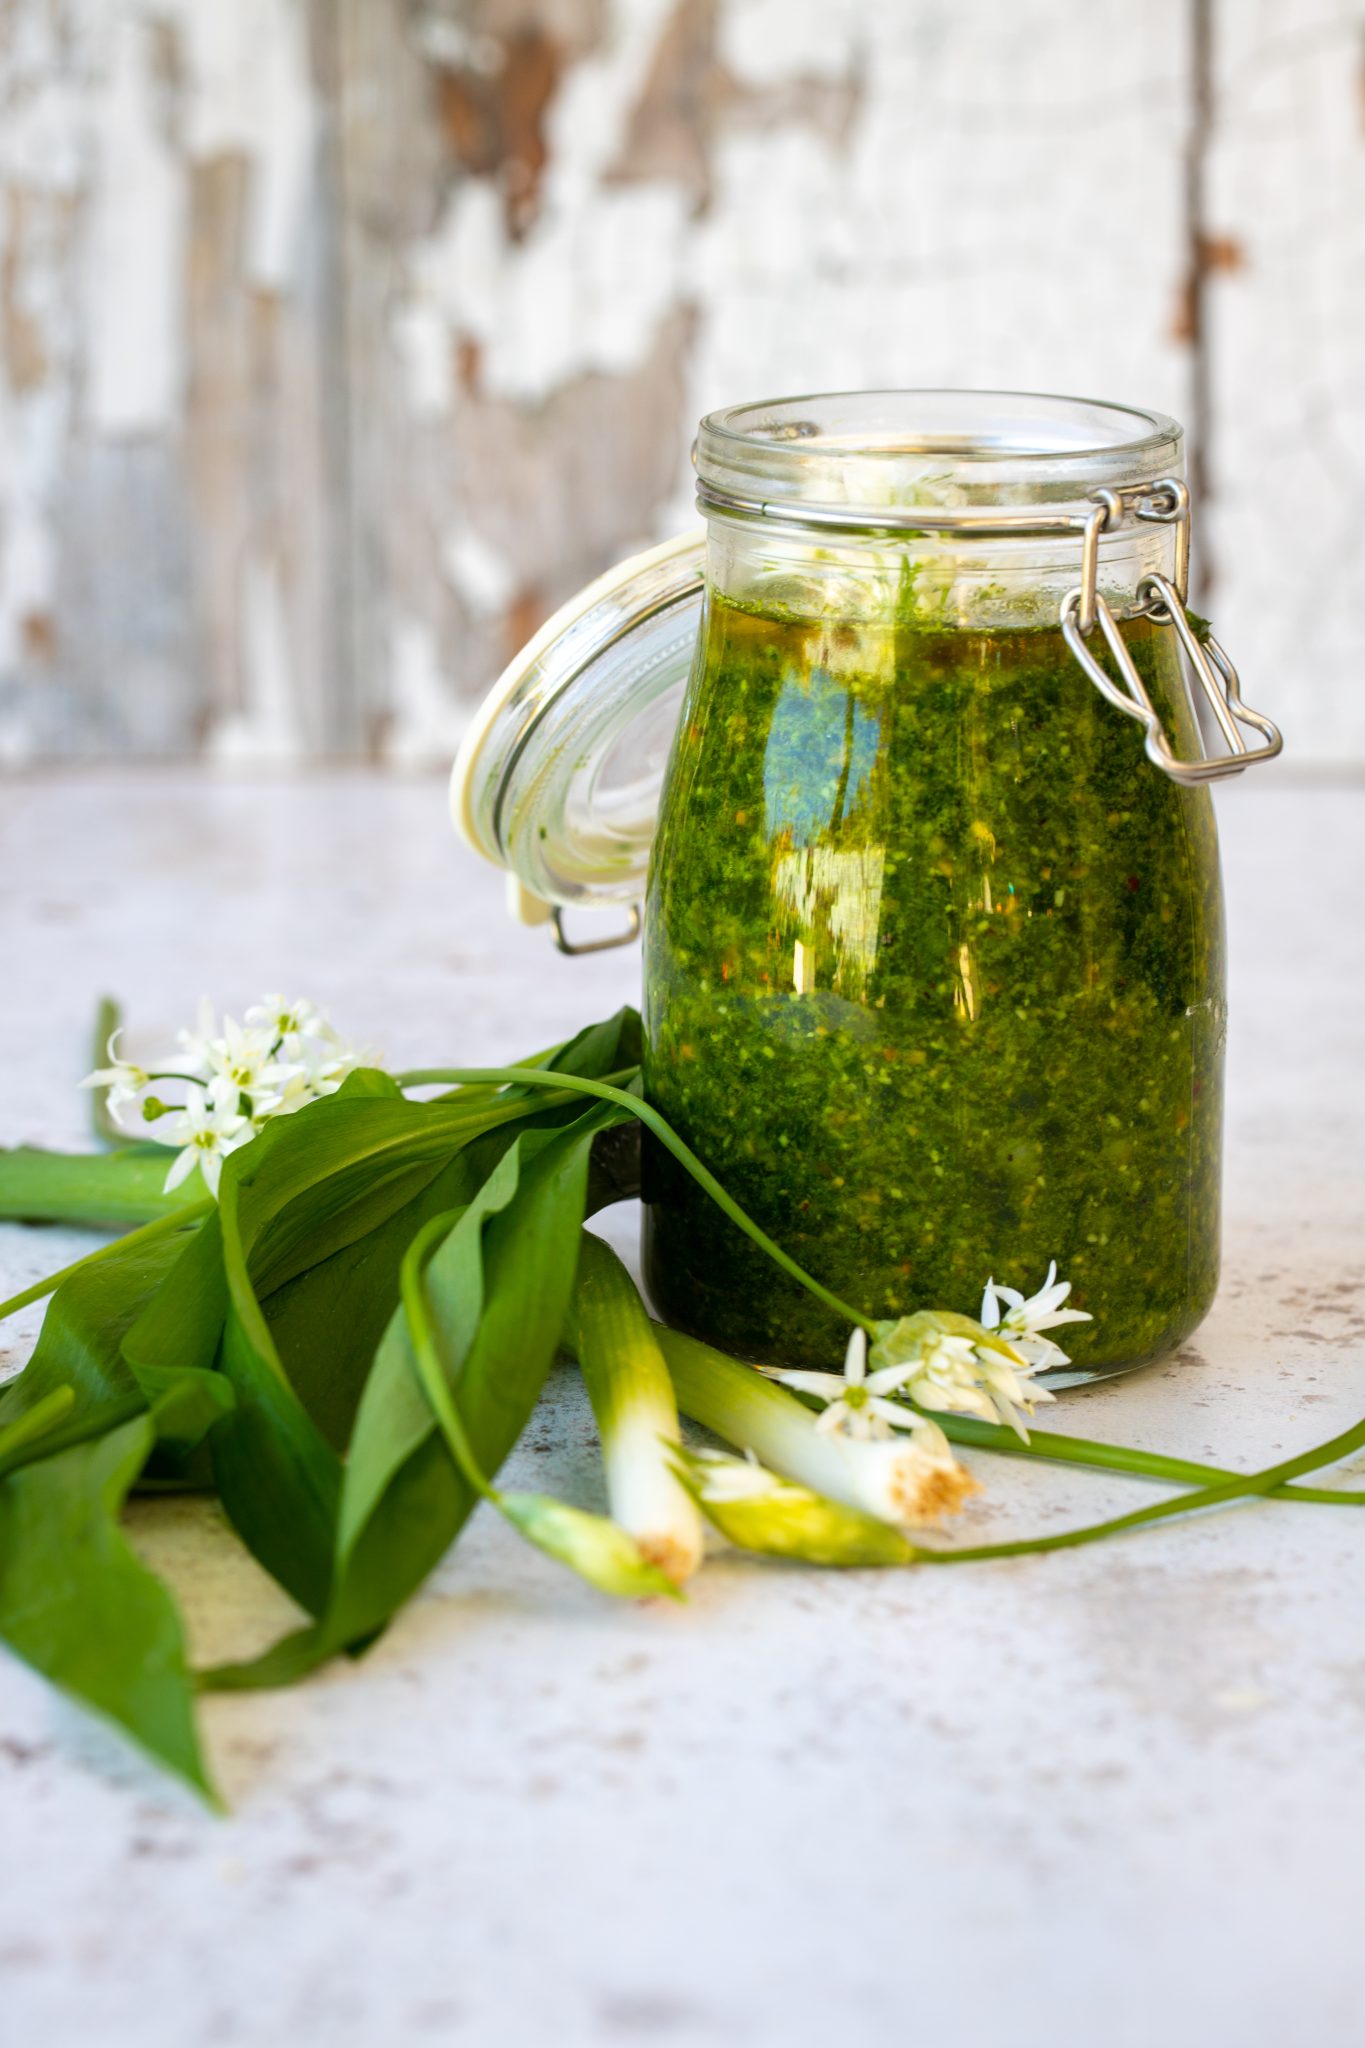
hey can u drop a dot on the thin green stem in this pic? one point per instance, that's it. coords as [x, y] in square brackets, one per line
[668, 1138]
[108, 1018]
[147, 1233]
[427, 1357]
[1237, 1488]
[1078, 1450]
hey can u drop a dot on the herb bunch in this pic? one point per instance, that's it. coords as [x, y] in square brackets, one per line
[340, 1322]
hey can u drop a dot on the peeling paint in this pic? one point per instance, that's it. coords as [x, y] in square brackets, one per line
[249, 93]
[582, 284]
[426, 352]
[265, 729]
[133, 327]
[764, 41]
[427, 719]
[318, 315]
[479, 572]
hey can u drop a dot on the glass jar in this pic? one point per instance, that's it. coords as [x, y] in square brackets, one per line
[933, 967]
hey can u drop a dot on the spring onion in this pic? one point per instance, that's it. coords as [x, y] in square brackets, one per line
[901, 1480]
[757, 1510]
[637, 1415]
[595, 1547]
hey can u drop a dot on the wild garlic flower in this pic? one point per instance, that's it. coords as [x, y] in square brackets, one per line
[208, 1127]
[1023, 1322]
[913, 1478]
[284, 1055]
[246, 1058]
[288, 1023]
[951, 1365]
[318, 1064]
[855, 1400]
[123, 1081]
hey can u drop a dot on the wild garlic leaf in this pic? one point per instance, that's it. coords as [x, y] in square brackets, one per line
[307, 1188]
[101, 1190]
[78, 1605]
[178, 1332]
[327, 1321]
[24, 1440]
[498, 1289]
[80, 1344]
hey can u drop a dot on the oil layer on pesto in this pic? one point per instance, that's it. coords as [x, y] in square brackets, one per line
[934, 983]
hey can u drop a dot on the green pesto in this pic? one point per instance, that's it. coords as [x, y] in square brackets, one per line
[934, 984]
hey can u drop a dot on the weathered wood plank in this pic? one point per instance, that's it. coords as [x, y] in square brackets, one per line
[1286, 196]
[340, 339]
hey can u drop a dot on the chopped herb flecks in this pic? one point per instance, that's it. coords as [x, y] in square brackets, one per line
[934, 983]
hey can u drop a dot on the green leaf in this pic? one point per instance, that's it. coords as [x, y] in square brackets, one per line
[309, 1186]
[185, 1404]
[277, 1476]
[20, 1436]
[327, 1321]
[597, 1548]
[182, 1324]
[498, 1287]
[179, 1333]
[79, 1606]
[322, 1179]
[98, 1190]
[80, 1344]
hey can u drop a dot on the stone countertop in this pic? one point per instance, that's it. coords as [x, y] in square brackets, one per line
[1096, 1799]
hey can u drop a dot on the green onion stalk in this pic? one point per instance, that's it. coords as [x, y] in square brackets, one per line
[910, 1479]
[632, 1397]
[592, 1545]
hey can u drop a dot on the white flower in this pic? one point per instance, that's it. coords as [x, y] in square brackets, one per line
[289, 1025]
[246, 1058]
[209, 1127]
[1023, 1322]
[856, 1403]
[285, 1055]
[318, 1067]
[952, 1365]
[123, 1081]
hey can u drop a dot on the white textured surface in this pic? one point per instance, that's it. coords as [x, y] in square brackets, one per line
[1088, 1801]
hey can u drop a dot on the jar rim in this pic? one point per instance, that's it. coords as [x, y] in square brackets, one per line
[935, 446]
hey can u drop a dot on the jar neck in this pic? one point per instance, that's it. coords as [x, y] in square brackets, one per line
[966, 508]
[970, 584]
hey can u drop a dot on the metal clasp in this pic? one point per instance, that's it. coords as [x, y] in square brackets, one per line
[575, 950]
[1167, 502]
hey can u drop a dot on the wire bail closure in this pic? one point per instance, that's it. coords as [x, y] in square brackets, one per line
[1164, 501]
[1167, 503]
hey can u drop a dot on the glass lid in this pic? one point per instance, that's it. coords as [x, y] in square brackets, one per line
[558, 778]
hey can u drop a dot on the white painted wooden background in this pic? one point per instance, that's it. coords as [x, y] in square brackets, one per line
[340, 339]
